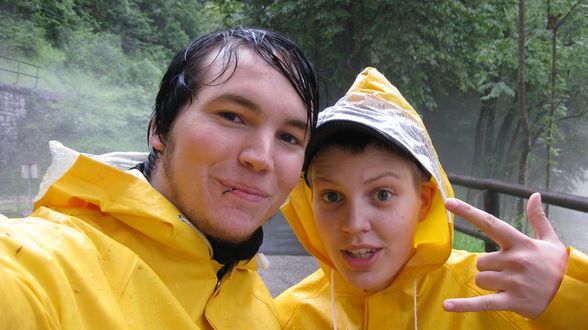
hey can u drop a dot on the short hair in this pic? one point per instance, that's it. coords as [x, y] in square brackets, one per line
[185, 75]
[356, 141]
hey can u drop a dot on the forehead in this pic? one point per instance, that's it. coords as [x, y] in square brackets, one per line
[241, 65]
[241, 76]
[336, 158]
[221, 64]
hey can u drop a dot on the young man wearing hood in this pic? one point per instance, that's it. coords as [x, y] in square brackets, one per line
[171, 244]
[374, 209]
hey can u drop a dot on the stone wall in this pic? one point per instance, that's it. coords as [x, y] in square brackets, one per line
[15, 103]
[13, 108]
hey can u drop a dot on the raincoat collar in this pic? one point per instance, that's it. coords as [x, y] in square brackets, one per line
[76, 180]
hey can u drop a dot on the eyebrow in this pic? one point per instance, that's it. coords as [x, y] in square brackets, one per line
[322, 178]
[385, 174]
[242, 101]
[247, 103]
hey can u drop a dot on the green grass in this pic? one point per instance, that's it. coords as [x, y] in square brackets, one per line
[462, 241]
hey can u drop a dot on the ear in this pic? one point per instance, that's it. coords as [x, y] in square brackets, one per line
[154, 139]
[426, 194]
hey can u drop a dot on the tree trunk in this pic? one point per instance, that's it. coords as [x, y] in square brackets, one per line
[550, 117]
[353, 40]
[522, 106]
[505, 138]
[484, 137]
[554, 22]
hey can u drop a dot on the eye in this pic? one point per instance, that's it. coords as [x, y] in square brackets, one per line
[231, 117]
[289, 138]
[382, 195]
[331, 197]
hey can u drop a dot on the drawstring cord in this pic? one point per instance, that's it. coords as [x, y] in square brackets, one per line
[414, 301]
[263, 261]
[333, 309]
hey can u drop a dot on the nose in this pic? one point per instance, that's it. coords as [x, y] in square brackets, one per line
[356, 220]
[257, 152]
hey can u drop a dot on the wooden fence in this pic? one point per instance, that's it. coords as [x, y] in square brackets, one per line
[492, 188]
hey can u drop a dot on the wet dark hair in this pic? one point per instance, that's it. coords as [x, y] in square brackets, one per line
[356, 141]
[184, 76]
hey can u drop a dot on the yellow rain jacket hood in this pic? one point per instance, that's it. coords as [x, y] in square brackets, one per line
[434, 273]
[373, 104]
[104, 250]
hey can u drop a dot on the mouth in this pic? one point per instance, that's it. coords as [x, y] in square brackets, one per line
[244, 192]
[360, 253]
[228, 190]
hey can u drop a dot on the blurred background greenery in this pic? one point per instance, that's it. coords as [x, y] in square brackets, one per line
[454, 60]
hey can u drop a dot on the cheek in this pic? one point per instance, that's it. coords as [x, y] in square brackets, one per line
[326, 226]
[200, 148]
[289, 172]
[402, 236]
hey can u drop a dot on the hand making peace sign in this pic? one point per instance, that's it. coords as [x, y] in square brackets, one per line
[526, 272]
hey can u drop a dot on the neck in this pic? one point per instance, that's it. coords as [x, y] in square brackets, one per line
[228, 252]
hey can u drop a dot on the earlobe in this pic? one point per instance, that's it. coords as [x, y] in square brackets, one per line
[154, 139]
[427, 193]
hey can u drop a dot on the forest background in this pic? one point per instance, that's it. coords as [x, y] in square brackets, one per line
[456, 61]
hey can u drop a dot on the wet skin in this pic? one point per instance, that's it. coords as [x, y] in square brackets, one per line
[235, 152]
[366, 208]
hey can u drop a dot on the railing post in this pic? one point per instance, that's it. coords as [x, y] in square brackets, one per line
[36, 77]
[492, 206]
[17, 73]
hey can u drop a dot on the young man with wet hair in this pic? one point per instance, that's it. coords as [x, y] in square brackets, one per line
[172, 243]
[212, 60]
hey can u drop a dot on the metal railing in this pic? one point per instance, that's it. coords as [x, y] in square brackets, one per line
[491, 188]
[20, 70]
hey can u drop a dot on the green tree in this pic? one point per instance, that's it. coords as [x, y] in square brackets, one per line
[455, 61]
[439, 48]
[103, 59]
[556, 19]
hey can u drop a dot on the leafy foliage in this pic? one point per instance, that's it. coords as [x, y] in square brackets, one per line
[454, 60]
[447, 52]
[101, 61]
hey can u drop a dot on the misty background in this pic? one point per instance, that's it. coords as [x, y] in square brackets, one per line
[90, 71]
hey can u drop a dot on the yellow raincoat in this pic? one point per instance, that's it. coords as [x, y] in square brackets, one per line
[104, 250]
[434, 273]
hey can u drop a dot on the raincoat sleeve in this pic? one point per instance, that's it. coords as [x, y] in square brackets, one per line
[21, 302]
[569, 307]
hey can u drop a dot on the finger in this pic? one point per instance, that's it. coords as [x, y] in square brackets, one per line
[490, 302]
[490, 261]
[491, 281]
[499, 231]
[541, 226]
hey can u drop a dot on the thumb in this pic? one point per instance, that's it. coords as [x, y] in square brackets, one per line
[541, 226]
